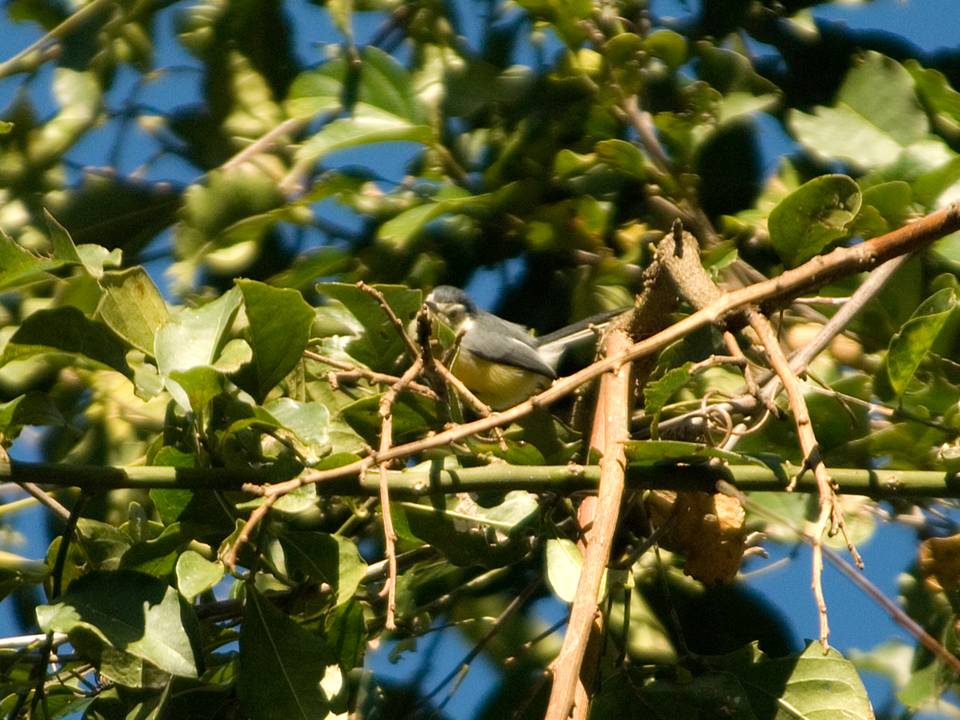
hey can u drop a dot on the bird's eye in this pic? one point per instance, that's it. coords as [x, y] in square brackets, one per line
[455, 314]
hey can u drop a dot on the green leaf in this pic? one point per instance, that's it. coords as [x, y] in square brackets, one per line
[891, 199]
[412, 416]
[221, 202]
[657, 393]
[196, 574]
[648, 451]
[154, 554]
[273, 645]
[812, 684]
[200, 384]
[736, 105]
[325, 558]
[19, 267]
[128, 611]
[103, 544]
[564, 561]
[310, 422]
[379, 346]
[91, 257]
[876, 117]
[730, 71]
[468, 533]
[623, 156]
[347, 634]
[398, 231]
[66, 330]
[32, 408]
[304, 271]
[386, 85]
[669, 46]
[930, 186]
[911, 344]
[192, 337]
[280, 321]
[132, 307]
[941, 100]
[368, 125]
[341, 12]
[316, 91]
[813, 216]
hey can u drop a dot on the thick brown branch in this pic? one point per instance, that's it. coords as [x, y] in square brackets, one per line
[613, 415]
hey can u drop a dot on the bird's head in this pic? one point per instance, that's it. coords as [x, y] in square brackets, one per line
[451, 305]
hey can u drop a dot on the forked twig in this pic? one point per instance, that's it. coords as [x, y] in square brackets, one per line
[830, 513]
[350, 371]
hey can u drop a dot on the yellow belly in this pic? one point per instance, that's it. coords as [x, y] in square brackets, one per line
[499, 386]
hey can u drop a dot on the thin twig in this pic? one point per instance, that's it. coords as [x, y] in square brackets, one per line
[256, 517]
[821, 300]
[830, 512]
[56, 588]
[854, 575]
[389, 533]
[45, 499]
[264, 142]
[411, 347]
[353, 372]
[836, 324]
[463, 666]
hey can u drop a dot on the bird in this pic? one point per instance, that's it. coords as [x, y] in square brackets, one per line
[500, 361]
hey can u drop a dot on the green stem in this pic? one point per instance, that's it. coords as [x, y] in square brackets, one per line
[17, 505]
[22, 61]
[415, 483]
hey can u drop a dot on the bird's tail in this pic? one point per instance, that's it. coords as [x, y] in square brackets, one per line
[552, 345]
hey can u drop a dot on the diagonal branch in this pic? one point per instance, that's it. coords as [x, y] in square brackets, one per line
[814, 273]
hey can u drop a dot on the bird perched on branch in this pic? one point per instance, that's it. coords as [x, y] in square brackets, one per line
[501, 362]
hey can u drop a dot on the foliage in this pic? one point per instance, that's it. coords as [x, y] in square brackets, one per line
[251, 355]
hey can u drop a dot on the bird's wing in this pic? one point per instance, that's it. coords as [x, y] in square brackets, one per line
[552, 345]
[504, 342]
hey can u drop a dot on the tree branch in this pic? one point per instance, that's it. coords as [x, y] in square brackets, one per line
[611, 431]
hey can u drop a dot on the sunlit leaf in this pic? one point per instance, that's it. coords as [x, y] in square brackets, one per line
[132, 307]
[911, 344]
[196, 574]
[875, 118]
[942, 100]
[813, 216]
[19, 267]
[66, 330]
[368, 125]
[191, 338]
[563, 562]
